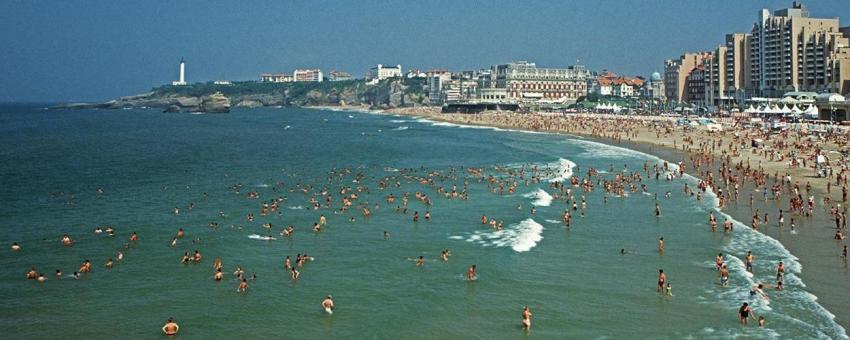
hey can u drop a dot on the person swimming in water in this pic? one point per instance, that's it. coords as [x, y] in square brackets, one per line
[471, 274]
[526, 318]
[328, 304]
[662, 279]
[744, 313]
[16, 246]
[170, 327]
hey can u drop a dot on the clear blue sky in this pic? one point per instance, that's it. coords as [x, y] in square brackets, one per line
[94, 50]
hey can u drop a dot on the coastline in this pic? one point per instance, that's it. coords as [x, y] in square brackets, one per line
[824, 274]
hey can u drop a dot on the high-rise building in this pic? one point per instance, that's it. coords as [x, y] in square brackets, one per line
[791, 51]
[524, 81]
[695, 88]
[676, 72]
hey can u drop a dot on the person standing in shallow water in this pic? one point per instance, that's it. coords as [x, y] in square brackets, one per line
[170, 327]
[526, 318]
[662, 279]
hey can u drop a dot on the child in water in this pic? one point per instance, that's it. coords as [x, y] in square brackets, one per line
[669, 290]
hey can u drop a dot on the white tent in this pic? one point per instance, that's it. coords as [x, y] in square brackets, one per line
[811, 112]
[784, 110]
[751, 109]
[795, 109]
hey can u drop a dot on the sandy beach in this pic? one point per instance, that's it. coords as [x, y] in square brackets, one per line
[783, 155]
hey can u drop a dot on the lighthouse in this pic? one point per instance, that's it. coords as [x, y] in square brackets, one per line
[182, 80]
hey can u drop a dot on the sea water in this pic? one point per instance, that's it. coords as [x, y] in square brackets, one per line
[575, 281]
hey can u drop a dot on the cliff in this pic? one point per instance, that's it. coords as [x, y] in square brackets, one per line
[209, 97]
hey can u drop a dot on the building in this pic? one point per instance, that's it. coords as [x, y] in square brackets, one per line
[695, 86]
[791, 51]
[182, 76]
[416, 74]
[524, 81]
[714, 80]
[610, 84]
[654, 88]
[436, 78]
[382, 72]
[222, 82]
[276, 78]
[307, 75]
[676, 72]
[339, 76]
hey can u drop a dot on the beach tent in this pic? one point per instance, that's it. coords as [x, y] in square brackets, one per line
[811, 112]
[750, 109]
[795, 110]
[785, 110]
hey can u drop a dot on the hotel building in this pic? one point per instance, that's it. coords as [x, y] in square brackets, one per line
[524, 81]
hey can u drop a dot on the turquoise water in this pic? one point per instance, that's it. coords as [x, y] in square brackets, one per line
[147, 163]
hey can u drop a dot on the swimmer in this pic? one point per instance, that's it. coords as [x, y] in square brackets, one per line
[471, 274]
[744, 313]
[41, 278]
[724, 276]
[76, 275]
[58, 273]
[669, 289]
[16, 247]
[287, 263]
[32, 274]
[170, 327]
[839, 235]
[661, 244]
[749, 261]
[386, 235]
[445, 255]
[328, 304]
[218, 276]
[761, 321]
[120, 256]
[180, 233]
[67, 241]
[844, 252]
[526, 318]
[420, 261]
[294, 274]
[243, 286]
[197, 257]
[109, 263]
[134, 237]
[662, 279]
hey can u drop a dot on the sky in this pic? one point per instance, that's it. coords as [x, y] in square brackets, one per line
[65, 51]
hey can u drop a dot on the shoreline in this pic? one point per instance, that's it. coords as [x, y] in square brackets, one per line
[827, 280]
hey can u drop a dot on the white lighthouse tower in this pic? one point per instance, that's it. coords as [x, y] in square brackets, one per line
[182, 80]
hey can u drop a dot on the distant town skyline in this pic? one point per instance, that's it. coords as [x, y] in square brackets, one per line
[55, 51]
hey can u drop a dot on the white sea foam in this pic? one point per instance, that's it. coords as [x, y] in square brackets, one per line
[745, 238]
[295, 207]
[400, 128]
[521, 237]
[541, 198]
[398, 121]
[563, 170]
[552, 221]
[263, 238]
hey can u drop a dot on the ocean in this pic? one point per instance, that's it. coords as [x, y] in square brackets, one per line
[225, 166]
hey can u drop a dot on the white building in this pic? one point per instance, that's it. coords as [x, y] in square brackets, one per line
[307, 75]
[382, 72]
[182, 80]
